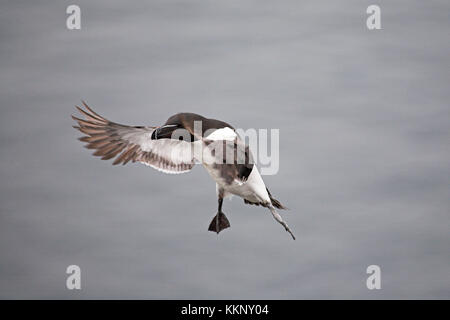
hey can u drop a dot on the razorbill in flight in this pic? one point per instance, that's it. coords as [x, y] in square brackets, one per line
[184, 140]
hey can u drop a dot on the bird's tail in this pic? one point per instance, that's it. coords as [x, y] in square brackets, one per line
[277, 204]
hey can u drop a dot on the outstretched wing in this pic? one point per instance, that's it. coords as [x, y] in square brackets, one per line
[130, 143]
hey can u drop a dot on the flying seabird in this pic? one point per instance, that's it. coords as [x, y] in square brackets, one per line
[184, 140]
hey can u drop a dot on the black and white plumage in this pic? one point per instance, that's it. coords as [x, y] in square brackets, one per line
[176, 147]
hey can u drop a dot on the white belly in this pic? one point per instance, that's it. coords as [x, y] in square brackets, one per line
[253, 189]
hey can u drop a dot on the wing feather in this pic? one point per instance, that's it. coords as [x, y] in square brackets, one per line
[132, 143]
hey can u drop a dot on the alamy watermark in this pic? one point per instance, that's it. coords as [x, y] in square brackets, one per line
[222, 146]
[73, 281]
[374, 280]
[373, 22]
[73, 21]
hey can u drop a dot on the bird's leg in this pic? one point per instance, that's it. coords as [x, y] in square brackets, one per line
[220, 221]
[280, 221]
[219, 211]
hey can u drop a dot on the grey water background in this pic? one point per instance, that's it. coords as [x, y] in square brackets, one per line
[364, 159]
